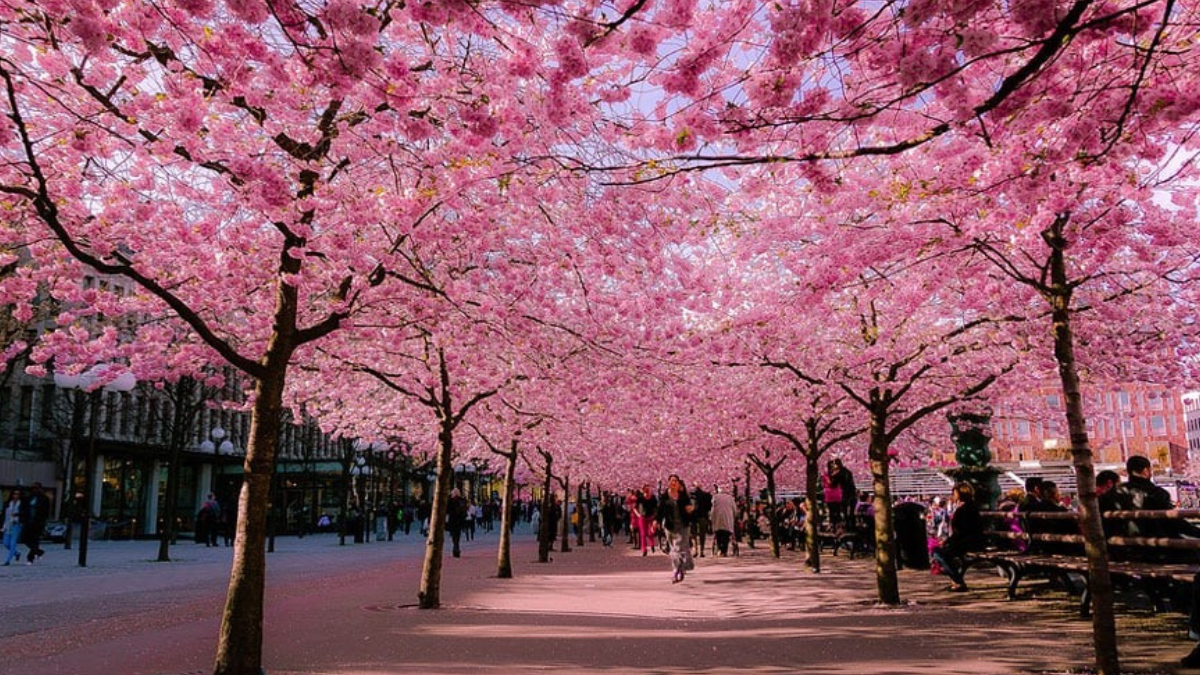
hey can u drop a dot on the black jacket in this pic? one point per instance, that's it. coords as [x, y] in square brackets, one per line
[966, 531]
[673, 514]
[1141, 494]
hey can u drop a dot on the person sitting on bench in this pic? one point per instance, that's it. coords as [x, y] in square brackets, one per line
[966, 535]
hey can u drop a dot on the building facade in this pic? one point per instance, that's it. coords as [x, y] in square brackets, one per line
[48, 430]
[1124, 420]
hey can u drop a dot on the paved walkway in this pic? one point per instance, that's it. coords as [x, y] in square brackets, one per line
[341, 610]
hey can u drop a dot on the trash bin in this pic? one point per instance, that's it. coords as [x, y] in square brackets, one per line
[912, 546]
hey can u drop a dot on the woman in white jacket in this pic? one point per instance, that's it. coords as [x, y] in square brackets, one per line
[724, 518]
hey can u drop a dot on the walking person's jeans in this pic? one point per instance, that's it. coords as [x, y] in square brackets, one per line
[12, 537]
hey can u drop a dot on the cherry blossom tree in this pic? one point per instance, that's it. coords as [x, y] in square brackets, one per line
[814, 82]
[903, 336]
[1081, 234]
[273, 174]
[450, 411]
[511, 457]
[815, 421]
[1099, 250]
[257, 170]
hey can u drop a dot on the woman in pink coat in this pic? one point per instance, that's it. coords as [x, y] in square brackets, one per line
[643, 513]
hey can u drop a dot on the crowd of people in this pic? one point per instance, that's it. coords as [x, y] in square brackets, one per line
[679, 521]
[958, 528]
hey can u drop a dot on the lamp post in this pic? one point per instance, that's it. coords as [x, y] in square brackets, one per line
[392, 453]
[217, 444]
[379, 458]
[363, 520]
[94, 381]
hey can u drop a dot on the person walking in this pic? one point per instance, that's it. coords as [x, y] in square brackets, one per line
[632, 516]
[11, 525]
[608, 518]
[35, 513]
[675, 510]
[423, 515]
[701, 517]
[208, 521]
[723, 517]
[473, 516]
[229, 522]
[456, 520]
[646, 507]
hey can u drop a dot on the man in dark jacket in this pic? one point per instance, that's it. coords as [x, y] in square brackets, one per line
[456, 520]
[700, 517]
[1139, 493]
[35, 511]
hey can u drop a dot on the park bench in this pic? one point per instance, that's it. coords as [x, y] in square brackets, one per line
[835, 540]
[1135, 563]
[858, 541]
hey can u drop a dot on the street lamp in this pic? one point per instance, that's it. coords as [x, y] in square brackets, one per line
[389, 503]
[217, 445]
[362, 522]
[95, 380]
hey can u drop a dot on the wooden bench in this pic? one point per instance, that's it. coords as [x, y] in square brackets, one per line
[859, 541]
[1131, 564]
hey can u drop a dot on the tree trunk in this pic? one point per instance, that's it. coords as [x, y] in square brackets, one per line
[887, 581]
[347, 480]
[565, 546]
[239, 645]
[1104, 627]
[545, 525]
[429, 597]
[812, 475]
[504, 568]
[591, 526]
[772, 513]
[581, 513]
[185, 407]
[167, 534]
[77, 412]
